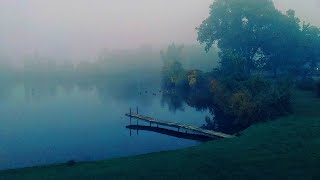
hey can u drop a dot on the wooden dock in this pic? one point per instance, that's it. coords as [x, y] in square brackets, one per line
[162, 130]
[209, 133]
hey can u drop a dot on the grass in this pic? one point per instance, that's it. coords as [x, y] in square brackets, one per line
[288, 148]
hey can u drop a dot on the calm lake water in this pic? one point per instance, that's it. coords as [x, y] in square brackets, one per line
[52, 122]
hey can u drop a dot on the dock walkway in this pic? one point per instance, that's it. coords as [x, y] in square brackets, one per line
[209, 133]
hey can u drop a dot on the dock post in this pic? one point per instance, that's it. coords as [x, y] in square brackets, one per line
[137, 127]
[130, 122]
[137, 110]
[130, 116]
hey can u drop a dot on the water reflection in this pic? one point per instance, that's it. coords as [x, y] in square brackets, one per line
[169, 132]
[117, 89]
[177, 99]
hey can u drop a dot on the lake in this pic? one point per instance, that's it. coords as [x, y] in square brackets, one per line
[45, 122]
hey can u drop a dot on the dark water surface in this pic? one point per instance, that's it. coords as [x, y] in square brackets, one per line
[50, 122]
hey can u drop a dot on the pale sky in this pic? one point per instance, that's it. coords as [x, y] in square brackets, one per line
[80, 29]
[308, 10]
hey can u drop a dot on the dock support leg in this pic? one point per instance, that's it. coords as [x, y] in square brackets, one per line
[130, 116]
[130, 123]
[137, 127]
[137, 110]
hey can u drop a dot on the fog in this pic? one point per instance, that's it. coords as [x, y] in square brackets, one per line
[307, 10]
[80, 30]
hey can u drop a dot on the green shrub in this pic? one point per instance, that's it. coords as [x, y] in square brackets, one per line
[253, 100]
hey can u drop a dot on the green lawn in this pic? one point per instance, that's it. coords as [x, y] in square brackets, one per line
[288, 148]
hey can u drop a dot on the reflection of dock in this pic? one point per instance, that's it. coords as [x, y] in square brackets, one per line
[204, 132]
[183, 135]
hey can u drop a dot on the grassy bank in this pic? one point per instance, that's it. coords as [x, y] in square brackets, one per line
[288, 148]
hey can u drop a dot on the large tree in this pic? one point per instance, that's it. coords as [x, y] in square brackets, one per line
[239, 26]
[254, 34]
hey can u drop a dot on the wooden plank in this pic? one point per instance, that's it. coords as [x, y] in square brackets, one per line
[179, 125]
